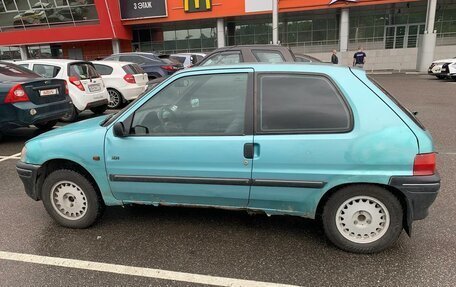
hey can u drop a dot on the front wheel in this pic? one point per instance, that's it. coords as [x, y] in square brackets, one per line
[46, 125]
[362, 218]
[453, 78]
[71, 115]
[440, 77]
[99, 110]
[71, 199]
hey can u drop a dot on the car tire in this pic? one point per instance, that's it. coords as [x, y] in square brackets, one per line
[46, 125]
[71, 116]
[99, 110]
[453, 78]
[362, 218]
[115, 99]
[440, 77]
[71, 199]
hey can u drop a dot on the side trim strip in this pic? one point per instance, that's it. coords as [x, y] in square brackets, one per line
[217, 181]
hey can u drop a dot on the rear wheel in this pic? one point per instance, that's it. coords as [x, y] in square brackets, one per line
[71, 199]
[46, 125]
[362, 218]
[440, 77]
[115, 99]
[99, 110]
[453, 78]
[71, 116]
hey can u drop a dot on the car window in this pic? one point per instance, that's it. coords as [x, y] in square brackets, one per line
[112, 58]
[133, 59]
[12, 71]
[268, 56]
[199, 58]
[302, 59]
[24, 65]
[103, 69]
[83, 71]
[223, 59]
[195, 105]
[180, 59]
[301, 103]
[47, 71]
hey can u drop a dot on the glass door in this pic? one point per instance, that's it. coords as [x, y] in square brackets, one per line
[402, 36]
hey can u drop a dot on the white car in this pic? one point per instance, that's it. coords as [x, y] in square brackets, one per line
[188, 59]
[125, 81]
[443, 68]
[86, 87]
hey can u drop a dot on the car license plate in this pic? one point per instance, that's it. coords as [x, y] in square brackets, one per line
[49, 92]
[94, 88]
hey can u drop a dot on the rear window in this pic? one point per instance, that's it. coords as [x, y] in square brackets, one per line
[178, 58]
[395, 101]
[47, 71]
[227, 58]
[83, 71]
[8, 71]
[268, 56]
[133, 69]
[103, 69]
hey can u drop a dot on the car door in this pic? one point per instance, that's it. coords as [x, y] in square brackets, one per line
[185, 144]
[302, 138]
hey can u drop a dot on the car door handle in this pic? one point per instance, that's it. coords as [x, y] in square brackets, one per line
[248, 150]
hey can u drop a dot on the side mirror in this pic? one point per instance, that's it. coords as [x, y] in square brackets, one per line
[119, 130]
[193, 59]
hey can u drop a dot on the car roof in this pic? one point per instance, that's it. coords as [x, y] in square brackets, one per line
[55, 61]
[113, 63]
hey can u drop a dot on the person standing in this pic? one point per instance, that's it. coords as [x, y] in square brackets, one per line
[334, 58]
[359, 59]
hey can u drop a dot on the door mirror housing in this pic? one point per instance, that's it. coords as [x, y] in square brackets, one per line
[119, 130]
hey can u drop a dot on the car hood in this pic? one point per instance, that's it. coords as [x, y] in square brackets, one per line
[75, 128]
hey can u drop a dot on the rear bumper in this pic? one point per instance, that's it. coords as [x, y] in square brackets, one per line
[18, 114]
[97, 103]
[28, 173]
[131, 93]
[419, 191]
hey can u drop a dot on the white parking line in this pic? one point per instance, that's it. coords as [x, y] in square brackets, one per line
[136, 271]
[14, 156]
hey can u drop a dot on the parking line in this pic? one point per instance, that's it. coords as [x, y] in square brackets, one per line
[14, 156]
[136, 271]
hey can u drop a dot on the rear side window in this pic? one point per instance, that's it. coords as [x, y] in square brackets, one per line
[133, 69]
[223, 59]
[178, 58]
[8, 71]
[103, 69]
[268, 56]
[301, 104]
[47, 71]
[83, 71]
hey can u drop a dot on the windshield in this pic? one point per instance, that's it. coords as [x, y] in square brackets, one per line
[12, 71]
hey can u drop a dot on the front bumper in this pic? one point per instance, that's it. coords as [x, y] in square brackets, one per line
[28, 173]
[420, 192]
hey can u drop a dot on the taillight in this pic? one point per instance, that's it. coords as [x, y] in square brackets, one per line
[129, 78]
[168, 68]
[424, 164]
[16, 94]
[75, 81]
[67, 92]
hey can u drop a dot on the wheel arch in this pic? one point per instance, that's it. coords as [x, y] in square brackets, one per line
[407, 220]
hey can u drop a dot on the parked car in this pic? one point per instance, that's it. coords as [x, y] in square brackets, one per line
[28, 99]
[306, 59]
[445, 68]
[124, 81]
[188, 59]
[249, 53]
[149, 62]
[86, 87]
[301, 140]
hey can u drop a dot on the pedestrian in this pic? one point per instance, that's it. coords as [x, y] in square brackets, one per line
[359, 59]
[334, 58]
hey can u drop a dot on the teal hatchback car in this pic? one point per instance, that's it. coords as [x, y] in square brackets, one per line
[308, 140]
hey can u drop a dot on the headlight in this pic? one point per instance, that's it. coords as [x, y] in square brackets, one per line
[23, 153]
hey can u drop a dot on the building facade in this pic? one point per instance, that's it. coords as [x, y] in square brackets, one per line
[389, 30]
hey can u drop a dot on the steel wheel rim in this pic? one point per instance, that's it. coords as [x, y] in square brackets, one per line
[362, 219]
[114, 99]
[69, 200]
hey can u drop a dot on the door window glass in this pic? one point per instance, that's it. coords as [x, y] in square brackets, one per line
[103, 69]
[301, 103]
[196, 105]
[223, 59]
[268, 56]
[47, 71]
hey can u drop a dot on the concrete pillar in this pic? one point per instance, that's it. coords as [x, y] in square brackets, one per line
[115, 46]
[344, 30]
[23, 51]
[275, 22]
[427, 41]
[220, 33]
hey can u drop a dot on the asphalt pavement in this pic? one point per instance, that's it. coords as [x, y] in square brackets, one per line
[229, 244]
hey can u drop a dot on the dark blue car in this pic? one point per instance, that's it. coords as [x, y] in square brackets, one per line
[154, 65]
[28, 99]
